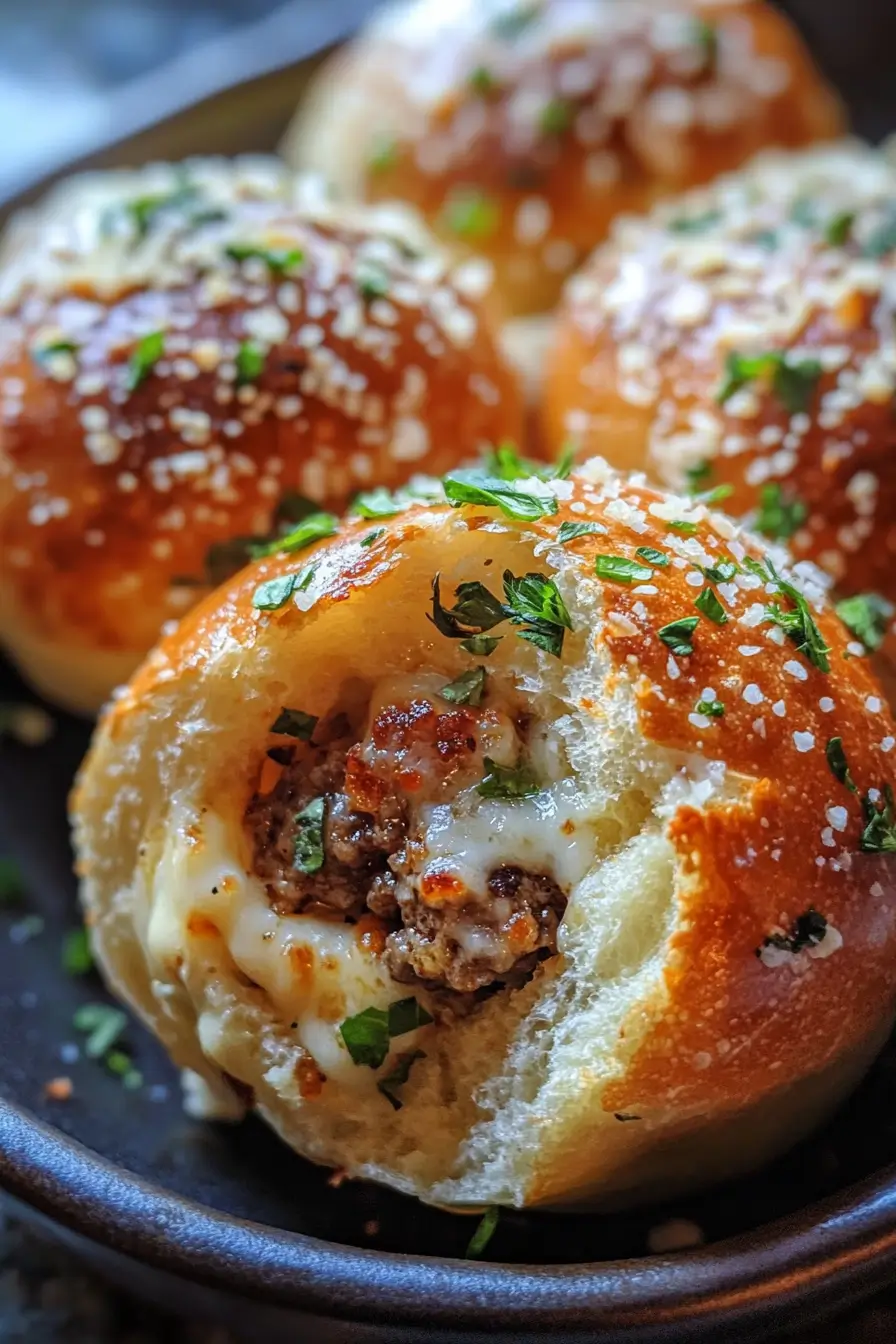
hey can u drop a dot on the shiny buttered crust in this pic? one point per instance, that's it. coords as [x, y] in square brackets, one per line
[183, 351]
[521, 129]
[743, 335]
[686, 1029]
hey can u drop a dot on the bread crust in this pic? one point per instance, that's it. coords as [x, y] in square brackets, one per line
[520, 131]
[719, 1042]
[178, 362]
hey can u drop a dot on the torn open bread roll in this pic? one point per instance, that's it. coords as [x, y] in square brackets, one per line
[527, 849]
[193, 355]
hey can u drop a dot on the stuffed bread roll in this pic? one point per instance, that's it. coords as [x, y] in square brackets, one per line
[191, 357]
[527, 849]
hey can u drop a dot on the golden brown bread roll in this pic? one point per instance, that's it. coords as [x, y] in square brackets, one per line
[743, 336]
[521, 128]
[188, 355]
[520, 859]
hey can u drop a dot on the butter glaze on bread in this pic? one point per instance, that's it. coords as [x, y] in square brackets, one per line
[680, 1027]
[183, 347]
[520, 130]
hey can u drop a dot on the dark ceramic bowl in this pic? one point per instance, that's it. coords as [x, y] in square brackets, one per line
[226, 1221]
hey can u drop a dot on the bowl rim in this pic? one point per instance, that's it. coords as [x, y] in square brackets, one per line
[838, 1249]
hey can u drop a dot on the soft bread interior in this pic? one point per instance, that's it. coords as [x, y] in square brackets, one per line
[507, 1105]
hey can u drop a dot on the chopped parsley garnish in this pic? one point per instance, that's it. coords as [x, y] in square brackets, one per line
[250, 359]
[12, 886]
[866, 615]
[476, 610]
[506, 463]
[616, 569]
[706, 37]
[373, 536]
[556, 117]
[279, 260]
[103, 1026]
[779, 515]
[570, 531]
[485, 1230]
[658, 559]
[694, 223]
[713, 709]
[121, 1064]
[367, 1034]
[398, 1076]
[879, 835]
[316, 527]
[481, 645]
[43, 354]
[77, 958]
[482, 81]
[378, 503]
[799, 625]
[510, 23]
[473, 486]
[372, 280]
[534, 602]
[836, 758]
[698, 476]
[303, 579]
[144, 209]
[308, 856]
[507, 782]
[682, 525]
[677, 635]
[144, 359]
[295, 723]
[466, 689]
[723, 572]
[383, 154]
[274, 593]
[715, 496]
[839, 227]
[883, 239]
[793, 381]
[807, 930]
[471, 214]
[711, 607]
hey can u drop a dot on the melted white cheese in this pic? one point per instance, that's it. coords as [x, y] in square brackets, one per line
[315, 971]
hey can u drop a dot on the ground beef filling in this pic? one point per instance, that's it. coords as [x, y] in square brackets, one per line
[466, 950]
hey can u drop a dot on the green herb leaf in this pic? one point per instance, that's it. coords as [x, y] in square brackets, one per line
[799, 625]
[481, 645]
[372, 280]
[102, 1024]
[570, 531]
[398, 1076]
[278, 260]
[715, 496]
[12, 885]
[250, 360]
[839, 227]
[295, 723]
[473, 486]
[373, 536]
[836, 758]
[561, 469]
[658, 559]
[485, 1230]
[482, 81]
[383, 154]
[879, 835]
[378, 503]
[723, 572]
[698, 476]
[274, 593]
[866, 615]
[507, 782]
[144, 359]
[505, 463]
[309, 842]
[466, 689]
[694, 223]
[711, 607]
[556, 117]
[616, 569]
[779, 515]
[713, 709]
[677, 635]
[43, 354]
[471, 214]
[793, 380]
[682, 525]
[121, 1064]
[316, 527]
[303, 579]
[534, 602]
[143, 210]
[407, 1015]
[706, 37]
[477, 610]
[366, 1036]
[77, 958]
